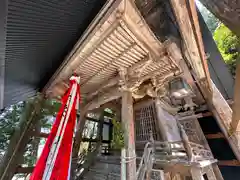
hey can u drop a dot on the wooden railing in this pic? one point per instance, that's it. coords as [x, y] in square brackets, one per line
[146, 161]
[156, 153]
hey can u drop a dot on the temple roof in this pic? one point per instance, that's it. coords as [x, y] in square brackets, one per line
[120, 39]
[35, 36]
[43, 43]
[124, 48]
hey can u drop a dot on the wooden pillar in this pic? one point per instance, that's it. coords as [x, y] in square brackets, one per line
[223, 114]
[196, 174]
[129, 134]
[236, 103]
[210, 174]
[217, 172]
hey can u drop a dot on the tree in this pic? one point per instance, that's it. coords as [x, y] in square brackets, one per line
[48, 111]
[10, 120]
[118, 137]
[227, 43]
[227, 11]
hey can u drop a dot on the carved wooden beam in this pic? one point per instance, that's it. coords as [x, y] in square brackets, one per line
[130, 83]
[223, 114]
[108, 83]
[121, 38]
[229, 163]
[133, 71]
[112, 94]
[215, 136]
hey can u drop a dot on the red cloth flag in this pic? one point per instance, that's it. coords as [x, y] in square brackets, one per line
[55, 160]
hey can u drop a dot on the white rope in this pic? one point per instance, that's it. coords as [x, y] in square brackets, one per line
[130, 159]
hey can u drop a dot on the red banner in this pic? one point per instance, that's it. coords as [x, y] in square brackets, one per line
[55, 160]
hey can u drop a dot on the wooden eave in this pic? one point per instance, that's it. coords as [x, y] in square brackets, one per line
[120, 38]
[187, 19]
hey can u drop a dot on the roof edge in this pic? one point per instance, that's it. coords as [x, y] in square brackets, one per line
[92, 25]
[3, 21]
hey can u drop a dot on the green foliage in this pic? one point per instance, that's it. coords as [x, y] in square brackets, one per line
[118, 137]
[227, 43]
[9, 121]
[48, 111]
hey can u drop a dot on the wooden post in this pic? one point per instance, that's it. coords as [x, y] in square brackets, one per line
[210, 174]
[196, 174]
[223, 114]
[236, 103]
[217, 172]
[129, 134]
[123, 164]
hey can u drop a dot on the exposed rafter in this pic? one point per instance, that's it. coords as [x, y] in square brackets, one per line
[121, 39]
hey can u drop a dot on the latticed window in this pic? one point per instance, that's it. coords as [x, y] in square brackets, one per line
[146, 123]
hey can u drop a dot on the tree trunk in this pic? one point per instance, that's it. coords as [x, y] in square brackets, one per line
[227, 11]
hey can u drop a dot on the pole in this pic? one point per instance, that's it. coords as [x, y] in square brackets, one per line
[129, 134]
[123, 164]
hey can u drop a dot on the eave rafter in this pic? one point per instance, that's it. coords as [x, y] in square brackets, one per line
[120, 40]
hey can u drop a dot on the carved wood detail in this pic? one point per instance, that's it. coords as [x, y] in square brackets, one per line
[191, 130]
[121, 40]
